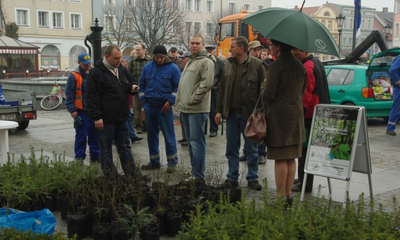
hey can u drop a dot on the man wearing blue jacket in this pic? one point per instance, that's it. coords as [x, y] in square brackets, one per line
[394, 116]
[158, 85]
[75, 92]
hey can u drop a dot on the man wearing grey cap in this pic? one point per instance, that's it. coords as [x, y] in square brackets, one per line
[173, 53]
[218, 67]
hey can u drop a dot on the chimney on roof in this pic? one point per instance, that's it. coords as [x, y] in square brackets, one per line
[296, 7]
[385, 9]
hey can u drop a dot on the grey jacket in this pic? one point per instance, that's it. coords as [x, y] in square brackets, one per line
[196, 82]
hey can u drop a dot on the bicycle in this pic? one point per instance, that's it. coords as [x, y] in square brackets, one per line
[53, 100]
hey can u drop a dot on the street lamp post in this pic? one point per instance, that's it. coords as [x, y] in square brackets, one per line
[340, 20]
[387, 32]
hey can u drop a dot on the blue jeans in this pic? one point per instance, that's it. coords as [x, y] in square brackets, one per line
[193, 123]
[117, 132]
[262, 150]
[394, 116]
[235, 125]
[86, 134]
[213, 106]
[156, 119]
[129, 122]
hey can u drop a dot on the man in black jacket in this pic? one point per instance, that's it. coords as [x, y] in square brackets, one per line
[108, 86]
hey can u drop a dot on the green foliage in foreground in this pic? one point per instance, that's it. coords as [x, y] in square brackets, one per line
[319, 219]
[13, 234]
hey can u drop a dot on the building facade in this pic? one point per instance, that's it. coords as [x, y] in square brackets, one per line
[57, 27]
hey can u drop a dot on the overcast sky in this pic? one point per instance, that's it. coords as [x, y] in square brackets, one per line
[377, 4]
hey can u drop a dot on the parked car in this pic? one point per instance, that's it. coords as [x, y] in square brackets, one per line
[364, 85]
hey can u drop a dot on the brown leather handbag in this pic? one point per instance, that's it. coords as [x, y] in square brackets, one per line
[256, 126]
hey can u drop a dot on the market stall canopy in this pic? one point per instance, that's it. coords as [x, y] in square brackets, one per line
[14, 46]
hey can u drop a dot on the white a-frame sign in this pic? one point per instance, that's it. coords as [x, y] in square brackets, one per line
[338, 145]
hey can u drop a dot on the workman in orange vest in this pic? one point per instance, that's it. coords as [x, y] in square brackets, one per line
[85, 131]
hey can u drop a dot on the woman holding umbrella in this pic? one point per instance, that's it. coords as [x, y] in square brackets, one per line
[283, 92]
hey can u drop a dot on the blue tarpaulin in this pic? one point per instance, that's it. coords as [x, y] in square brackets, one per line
[42, 221]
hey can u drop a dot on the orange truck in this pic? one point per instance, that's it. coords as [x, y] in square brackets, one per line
[232, 26]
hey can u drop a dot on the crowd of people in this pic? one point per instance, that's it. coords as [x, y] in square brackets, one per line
[110, 99]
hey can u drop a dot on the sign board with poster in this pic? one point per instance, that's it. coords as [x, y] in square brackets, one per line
[338, 144]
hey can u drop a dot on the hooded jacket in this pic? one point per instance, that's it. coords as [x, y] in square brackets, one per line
[107, 96]
[252, 77]
[195, 84]
[159, 84]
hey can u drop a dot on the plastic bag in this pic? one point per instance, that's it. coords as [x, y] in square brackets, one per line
[42, 221]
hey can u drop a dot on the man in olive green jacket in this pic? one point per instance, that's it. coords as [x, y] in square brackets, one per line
[193, 102]
[239, 90]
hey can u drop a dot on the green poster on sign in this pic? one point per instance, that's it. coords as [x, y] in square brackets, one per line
[332, 139]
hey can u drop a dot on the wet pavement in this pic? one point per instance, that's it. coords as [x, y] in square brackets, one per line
[53, 132]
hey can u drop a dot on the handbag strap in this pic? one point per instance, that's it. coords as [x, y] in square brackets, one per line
[260, 98]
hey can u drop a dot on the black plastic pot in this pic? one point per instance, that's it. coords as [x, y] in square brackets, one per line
[76, 224]
[174, 222]
[119, 233]
[101, 231]
[151, 231]
[49, 203]
[65, 206]
[161, 215]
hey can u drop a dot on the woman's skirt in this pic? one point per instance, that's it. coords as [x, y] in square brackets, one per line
[285, 152]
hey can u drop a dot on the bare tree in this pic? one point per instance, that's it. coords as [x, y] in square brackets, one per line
[158, 21]
[3, 18]
[118, 25]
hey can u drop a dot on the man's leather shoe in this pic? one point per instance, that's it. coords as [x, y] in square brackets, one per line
[242, 158]
[213, 134]
[135, 139]
[182, 140]
[184, 144]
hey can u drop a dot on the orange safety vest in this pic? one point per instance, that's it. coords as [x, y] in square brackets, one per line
[78, 90]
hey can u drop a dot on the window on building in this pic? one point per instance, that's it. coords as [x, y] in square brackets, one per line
[232, 8]
[210, 29]
[210, 6]
[329, 25]
[397, 31]
[109, 2]
[109, 23]
[57, 20]
[327, 14]
[76, 1]
[259, 7]
[197, 5]
[323, 22]
[175, 4]
[189, 5]
[22, 17]
[188, 28]
[246, 6]
[43, 19]
[75, 21]
[129, 24]
[197, 27]
[351, 23]
[129, 3]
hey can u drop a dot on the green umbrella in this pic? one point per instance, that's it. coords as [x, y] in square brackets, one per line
[295, 28]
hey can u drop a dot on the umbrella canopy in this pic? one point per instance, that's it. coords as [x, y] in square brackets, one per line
[294, 28]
